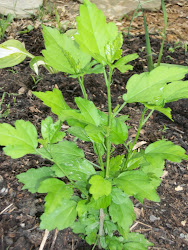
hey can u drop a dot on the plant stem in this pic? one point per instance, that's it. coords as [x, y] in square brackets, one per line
[119, 109]
[99, 157]
[108, 143]
[81, 82]
[139, 127]
[101, 225]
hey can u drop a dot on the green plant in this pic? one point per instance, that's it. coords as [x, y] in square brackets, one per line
[6, 112]
[27, 30]
[95, 201]
[36, 80]
[4, 24]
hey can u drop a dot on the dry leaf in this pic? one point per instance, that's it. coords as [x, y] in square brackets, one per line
[183, 222]
[178, 188]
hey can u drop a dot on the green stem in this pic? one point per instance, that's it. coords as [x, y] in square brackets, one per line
[81, 82]
[108, 143]
[147, 117]
[139, 128]
[119, 109]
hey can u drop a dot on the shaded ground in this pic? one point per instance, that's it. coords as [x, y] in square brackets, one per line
[164, 224]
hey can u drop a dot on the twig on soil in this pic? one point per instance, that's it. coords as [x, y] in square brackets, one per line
[6, 209]
[54, 239]
[138, 222]
[46, 233]
[134, 226]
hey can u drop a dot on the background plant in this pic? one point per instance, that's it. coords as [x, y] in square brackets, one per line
[4, 24]
[102, 210]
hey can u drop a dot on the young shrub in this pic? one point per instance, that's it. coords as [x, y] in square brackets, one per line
[102, 212]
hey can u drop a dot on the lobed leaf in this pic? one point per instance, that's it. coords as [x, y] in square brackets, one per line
[99, 186]
[33, 177]
[20, 140]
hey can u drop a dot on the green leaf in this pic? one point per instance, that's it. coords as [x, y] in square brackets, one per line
[136, 241]
[109, 227]
[53, 99]
[118, 132]
[102, 202]
[118, 196]
[88, 111]
[123, 212]
[93, 31]
[36, 62]
[62, 217]
[12, 52]
[50, 131]
[78, 132]
[115, 163]
[66, 151]
[94, 133]
[148, 86]
[57, 191]
[137, 184]
[33, 177]
[175, 91]
[113, 49]
[114, 243]
[165, 111]
[63, 53]
[166, 150]
[99, 186]
[20, 140]
[81, 207]
[121, 63]
[78, 169]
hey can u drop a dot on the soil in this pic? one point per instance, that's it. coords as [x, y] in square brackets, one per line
[164, 223]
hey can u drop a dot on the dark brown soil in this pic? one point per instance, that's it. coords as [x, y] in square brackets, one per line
[164, 223]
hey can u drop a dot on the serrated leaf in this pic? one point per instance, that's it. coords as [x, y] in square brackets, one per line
[53, 99]
[122, 65]
[118, 196]
[101, 202]
[99, 186]
[57, 191]
[63, 53]
[166, 150]
[65, 151]
[78, 169]
[33, 177]
[62, 217]
[148, 87]
[78, 132]
[88, 111]
[136, 241]
[81, 207]
[20, 140]
[12, 52]
[123, 214]
[113, 49]
[92, 26]
[51, 131]
[118, 132]
[94, 133]
[137, 184]
[115, 163]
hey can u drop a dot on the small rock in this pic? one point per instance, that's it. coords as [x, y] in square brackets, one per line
[182, 236]
[179, 188]
[183, 223]
[153, 218]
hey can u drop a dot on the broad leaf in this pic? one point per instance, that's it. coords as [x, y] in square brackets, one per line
[78, 169]
[122, 65]
[33, 177]
[136, 241]
[102, 202]
[148, 86]
[94, 133]
[53, 99]
[61, 217]
[12, 52]
[20, 140]
[99, 186]
[138, 184]
[165, 111]
[115, 163]
[93, 32]
[65, 151]
[51, 131]
[175, 91]
[122, 211]
[63, 53]
[78, 132]
[57, 191]
[118, 132]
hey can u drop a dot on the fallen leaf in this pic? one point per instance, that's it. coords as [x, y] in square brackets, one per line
[178, 188]
[183, 222]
